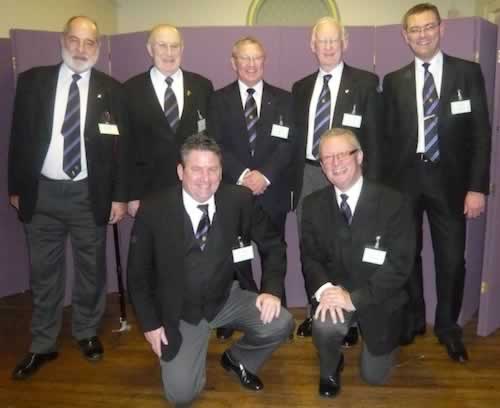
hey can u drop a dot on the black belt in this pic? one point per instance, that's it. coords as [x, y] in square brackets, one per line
[423, 158]
[315, 163]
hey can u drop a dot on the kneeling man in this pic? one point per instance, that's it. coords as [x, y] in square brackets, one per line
[187, 245]
[357, 248]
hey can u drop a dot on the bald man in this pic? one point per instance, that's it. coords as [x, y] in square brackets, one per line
[166, 105]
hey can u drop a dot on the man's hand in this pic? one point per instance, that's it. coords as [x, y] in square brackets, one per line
[474, 204]
[14, 201]
[132, 207]
[156, 338]
[338, 297]
[118, 211]
[269, 307]
[255, 181]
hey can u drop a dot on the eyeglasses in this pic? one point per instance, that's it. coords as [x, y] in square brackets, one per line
[247, 59]
[328, 42]
[341, 156]
[173, 47]
[428, 28]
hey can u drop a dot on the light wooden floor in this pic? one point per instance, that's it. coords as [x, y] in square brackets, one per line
[129, 377]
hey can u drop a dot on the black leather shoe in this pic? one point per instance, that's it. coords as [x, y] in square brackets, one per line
[456, 350]
[305, 328]
[330, 387]
[91, 348]
[247, 379]
[351, 337]
[224, 333]
[31, 363]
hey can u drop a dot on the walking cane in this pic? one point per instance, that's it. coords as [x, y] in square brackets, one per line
[124, 326]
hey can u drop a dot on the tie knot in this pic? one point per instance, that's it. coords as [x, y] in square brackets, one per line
[169, 81]
[250, 91]
[76, 77]
[426, 66]
[326, 79]
[203, 208]
[344, 197]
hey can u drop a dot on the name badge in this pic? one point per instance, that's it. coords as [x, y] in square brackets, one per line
[280, 131]
[108, 129]
[352, 120]
[243, 254]
[459, 107]
[374, 256]
[202, 125]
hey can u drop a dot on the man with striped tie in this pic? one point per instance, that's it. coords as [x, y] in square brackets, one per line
[437, 145]
[67, 178]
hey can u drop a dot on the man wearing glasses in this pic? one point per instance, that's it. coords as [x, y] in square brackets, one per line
[337, 95]
[356, 249]
[166, 105]
[438, 153]
[251, 122]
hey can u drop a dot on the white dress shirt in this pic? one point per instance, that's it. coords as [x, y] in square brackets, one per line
[436, 69]
[53, 164]
[195, 214]
[353, 194]
[334, 85]
[160, 86]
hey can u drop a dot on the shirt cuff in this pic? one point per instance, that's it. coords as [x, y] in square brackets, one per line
[322, 288]
[242, 175]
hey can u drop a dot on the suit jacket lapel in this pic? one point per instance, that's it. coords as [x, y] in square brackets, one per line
[47, 98]
[264, 124]
[446, 94]
[410, 103]
[91, 117]
[344, 102]
[188, 101]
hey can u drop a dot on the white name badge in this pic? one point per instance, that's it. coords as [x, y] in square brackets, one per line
[352, 120]
[108, 129]
[279, 131]
[459, 107]
[202, 125]
[374, 256]
[243, 254]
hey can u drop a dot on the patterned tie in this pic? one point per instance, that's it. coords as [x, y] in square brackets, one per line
[170, 106]
[251, 119]
[71, 131]
[431, 104]
[203, 227]
[345, 209]
[322, 118]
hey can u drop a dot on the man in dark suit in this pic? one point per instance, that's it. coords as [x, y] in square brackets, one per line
[187, 245]
[166, 104]
[437, 151]
[357, 246]
[67, 177]
[337, 95]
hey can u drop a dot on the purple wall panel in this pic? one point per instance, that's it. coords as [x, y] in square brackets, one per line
[128, 55]
[13, 257]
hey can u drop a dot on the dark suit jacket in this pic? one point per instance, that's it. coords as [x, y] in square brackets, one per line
[464, 139]
[156, 276]
[107, 155]
[332, 251]
[155, 145]
[273, 156]
[357, 88]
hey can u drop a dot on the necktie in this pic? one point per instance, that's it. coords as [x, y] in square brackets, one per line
[345, 209]
[431, 104]
[170, 107]
[322, 118]
[251, 119]
[71, 131]
[203, 227]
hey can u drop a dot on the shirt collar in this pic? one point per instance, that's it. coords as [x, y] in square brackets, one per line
[353, 193]
[190, 204]
[337, 71]
[435, 61]
[158, 75]
[67, 72]
[243, 87]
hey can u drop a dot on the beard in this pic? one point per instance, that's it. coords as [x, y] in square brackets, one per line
[78, 64]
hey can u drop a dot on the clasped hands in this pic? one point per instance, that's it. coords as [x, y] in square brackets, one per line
[334, 300]
[255, 181]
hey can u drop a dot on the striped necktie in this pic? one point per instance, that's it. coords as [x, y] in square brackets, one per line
[251, 118]
[431, 105]
[322, 118]
[345, 210]
[203, 226]
[170, 107]
[71, 131]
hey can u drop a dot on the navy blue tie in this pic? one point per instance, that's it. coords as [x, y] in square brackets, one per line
[251, 118]
[345, 209]
[72, 156]
[322, 118]
[203, 226]
[170, 107]
[431, 104]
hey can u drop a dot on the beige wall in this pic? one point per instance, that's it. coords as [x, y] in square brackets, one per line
[51, 15]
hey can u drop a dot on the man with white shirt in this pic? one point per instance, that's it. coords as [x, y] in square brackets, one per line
[67, 176]
[437, 147]
[356, 252]
[166, 105]
[337, 95]
[188, 244]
